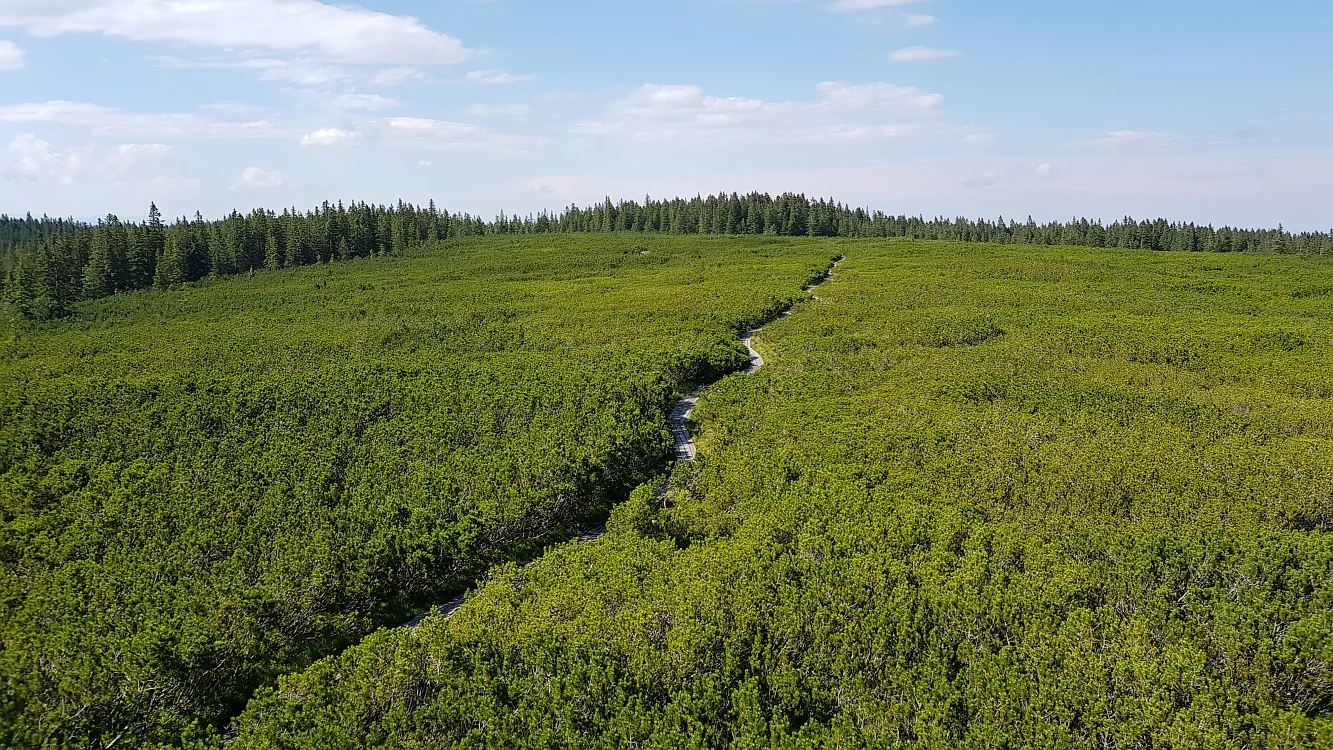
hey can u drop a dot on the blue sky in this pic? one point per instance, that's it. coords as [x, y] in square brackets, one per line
[1217, 112]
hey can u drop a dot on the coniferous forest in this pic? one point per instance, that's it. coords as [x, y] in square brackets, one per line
[996, 484]
[47, 265]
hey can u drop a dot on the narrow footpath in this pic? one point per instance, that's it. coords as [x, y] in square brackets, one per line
[680, 433]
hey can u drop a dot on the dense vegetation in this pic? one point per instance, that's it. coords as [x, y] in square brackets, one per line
[19, 231]
[980, 497]
[203, 488]
[50, 265]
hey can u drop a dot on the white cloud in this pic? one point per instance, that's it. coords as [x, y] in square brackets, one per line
[878, 96]
[421, 126]
[254, 177]
[369, 102]
[495, 77]
[303, 71]
[1044, 169]
[423, 164]
[339, 33]
[29, 159]
[329, 137]
[11, 57]
[499, 110]
[833, 133]
[988, 178]
[106, 121]
[918, 54]
[300, 71]
[397, 76]
[1117, 139]
[842, 112]
[844, 6]
[231, 107]
[917, 20]
[421, 132]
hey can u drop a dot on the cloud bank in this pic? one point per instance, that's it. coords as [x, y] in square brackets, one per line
[336, 33]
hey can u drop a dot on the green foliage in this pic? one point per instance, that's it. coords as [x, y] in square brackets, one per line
[204, 488]
[191, 250]
[980, 497]
[640, 513]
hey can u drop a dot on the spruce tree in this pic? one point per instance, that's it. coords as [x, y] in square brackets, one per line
[174, 268]
[41, 303]
[18, 289]
[272, 254]
[149, 243]
[62, 279]
[110, 246]
[99, 275]
[1280, 244]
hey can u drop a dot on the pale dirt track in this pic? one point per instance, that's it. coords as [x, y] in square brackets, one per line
[680, 433]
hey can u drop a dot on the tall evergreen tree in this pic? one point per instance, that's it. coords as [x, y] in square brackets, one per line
[108, 259]
[149, 243]
[272, 254]
[102, 275]
[19, 288]
[174, 268]
[63, 276]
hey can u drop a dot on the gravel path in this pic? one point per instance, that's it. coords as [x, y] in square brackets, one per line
[680, 432]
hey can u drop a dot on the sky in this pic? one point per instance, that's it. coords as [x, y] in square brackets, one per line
[1215, 112]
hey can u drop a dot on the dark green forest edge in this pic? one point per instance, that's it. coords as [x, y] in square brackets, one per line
[980, 496]
[47, 265]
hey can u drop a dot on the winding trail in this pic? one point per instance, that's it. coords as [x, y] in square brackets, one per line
[680, 433]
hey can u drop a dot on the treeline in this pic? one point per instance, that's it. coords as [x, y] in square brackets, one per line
[45, 278]
[799, 216]
[16, 231]
[49, 265]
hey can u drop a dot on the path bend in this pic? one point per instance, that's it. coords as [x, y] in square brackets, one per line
[686, 450]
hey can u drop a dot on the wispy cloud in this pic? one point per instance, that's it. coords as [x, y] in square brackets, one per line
[232, 107]
[1117, 139]
[110, 122]
[303, 71]
[421, 132]
[988, 178]
[919, 54]
[367, 102]
[30, 159]
[499, 110]
[398, 76]
[495, 77]
[254, 177]
[329, 137]
[331, 32]
[841, 112]
[11, 56]
[848, 6]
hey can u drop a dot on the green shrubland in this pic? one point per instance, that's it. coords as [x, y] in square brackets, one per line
[207, 487]
[48, 265]
[980, 497]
